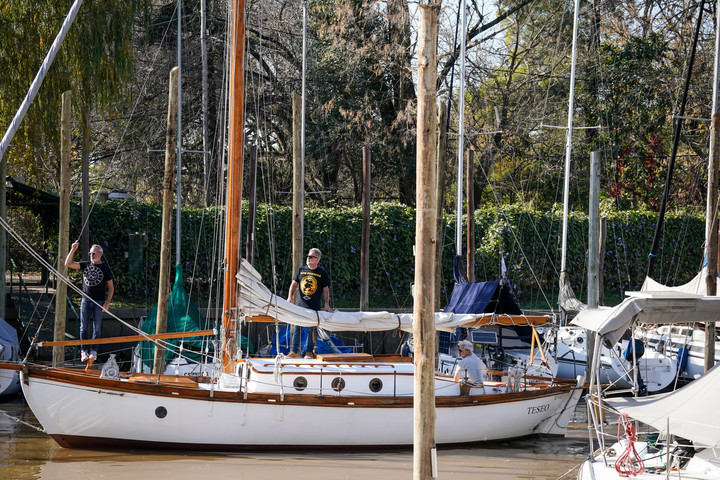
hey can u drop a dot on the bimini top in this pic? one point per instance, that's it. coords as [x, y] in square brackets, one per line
[649, 308]
[690, 412]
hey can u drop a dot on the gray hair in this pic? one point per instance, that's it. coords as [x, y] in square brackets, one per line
[98, 247]
[466, 345]
[316, 252]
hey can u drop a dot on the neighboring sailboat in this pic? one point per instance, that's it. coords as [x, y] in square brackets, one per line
[686, 343]
[679, 431]
[9, 352]
[656, 369]
[512, 341]
[696, 349]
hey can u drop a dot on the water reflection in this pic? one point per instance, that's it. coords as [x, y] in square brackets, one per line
[26, 453]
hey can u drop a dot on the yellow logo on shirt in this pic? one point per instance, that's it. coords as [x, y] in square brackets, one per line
[308, 285]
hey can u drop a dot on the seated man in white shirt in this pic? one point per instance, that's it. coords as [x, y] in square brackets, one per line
[470, 367]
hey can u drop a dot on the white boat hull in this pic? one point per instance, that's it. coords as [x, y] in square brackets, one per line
[657, 370]
[80, 410]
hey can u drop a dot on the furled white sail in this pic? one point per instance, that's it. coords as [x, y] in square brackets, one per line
[651, 308]
[254, 298]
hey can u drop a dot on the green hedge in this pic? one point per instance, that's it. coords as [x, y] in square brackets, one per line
[529, 241]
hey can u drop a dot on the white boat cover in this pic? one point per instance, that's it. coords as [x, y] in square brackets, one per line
[254, 298]
[691, 411]
[695, 286]
[650, 308]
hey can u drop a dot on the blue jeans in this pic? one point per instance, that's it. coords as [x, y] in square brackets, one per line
[90, 312]
[297, 334]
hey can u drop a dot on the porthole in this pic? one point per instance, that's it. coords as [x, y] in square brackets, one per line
[376, 385]
[161, 412]
[300, 384]
[338, 384]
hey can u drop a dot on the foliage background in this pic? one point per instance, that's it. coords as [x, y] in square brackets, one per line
[528, 239]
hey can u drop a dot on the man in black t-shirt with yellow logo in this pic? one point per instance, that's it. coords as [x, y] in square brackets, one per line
[314, 284]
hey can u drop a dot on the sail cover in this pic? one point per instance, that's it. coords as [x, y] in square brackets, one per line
[690, 411]
[482, 297]
[183, 316]
[695, 286]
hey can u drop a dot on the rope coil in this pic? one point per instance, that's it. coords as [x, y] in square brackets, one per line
[629, 462]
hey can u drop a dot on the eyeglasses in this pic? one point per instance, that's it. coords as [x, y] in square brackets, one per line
[311, 256]
[93, 253]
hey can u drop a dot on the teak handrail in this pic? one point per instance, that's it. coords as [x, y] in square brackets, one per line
[131, 338]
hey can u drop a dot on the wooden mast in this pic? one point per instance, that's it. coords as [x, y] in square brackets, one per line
[234, 183]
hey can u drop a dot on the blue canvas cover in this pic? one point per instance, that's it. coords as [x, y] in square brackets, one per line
[482, 297]
[285, 336]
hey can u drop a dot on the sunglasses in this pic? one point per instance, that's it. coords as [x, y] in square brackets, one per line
[311, 256]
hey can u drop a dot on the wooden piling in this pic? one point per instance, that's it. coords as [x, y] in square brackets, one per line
[424, 296]
[166, 233]
[63, 226]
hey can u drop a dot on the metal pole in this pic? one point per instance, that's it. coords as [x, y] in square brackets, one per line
[302, 106]
[568, 142]
[178, 168]
[461, 136]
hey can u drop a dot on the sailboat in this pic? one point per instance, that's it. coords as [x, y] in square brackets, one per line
[247, 403]
[689, 343]
[619, 363]
[512, 342]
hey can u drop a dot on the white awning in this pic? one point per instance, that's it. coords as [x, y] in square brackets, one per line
[650, 308]
[691, 411]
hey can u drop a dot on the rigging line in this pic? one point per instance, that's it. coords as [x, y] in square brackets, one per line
[42, 322]
[557, 48]
[676, 141]
[452, 71]
[33, 342]
[621, 250]
[22, 422]
[127, 124]
[517, 242]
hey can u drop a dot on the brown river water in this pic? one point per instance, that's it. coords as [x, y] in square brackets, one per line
[27, 453]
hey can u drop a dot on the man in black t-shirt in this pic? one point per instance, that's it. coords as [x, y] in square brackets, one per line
[314, 284]
[96, 276]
